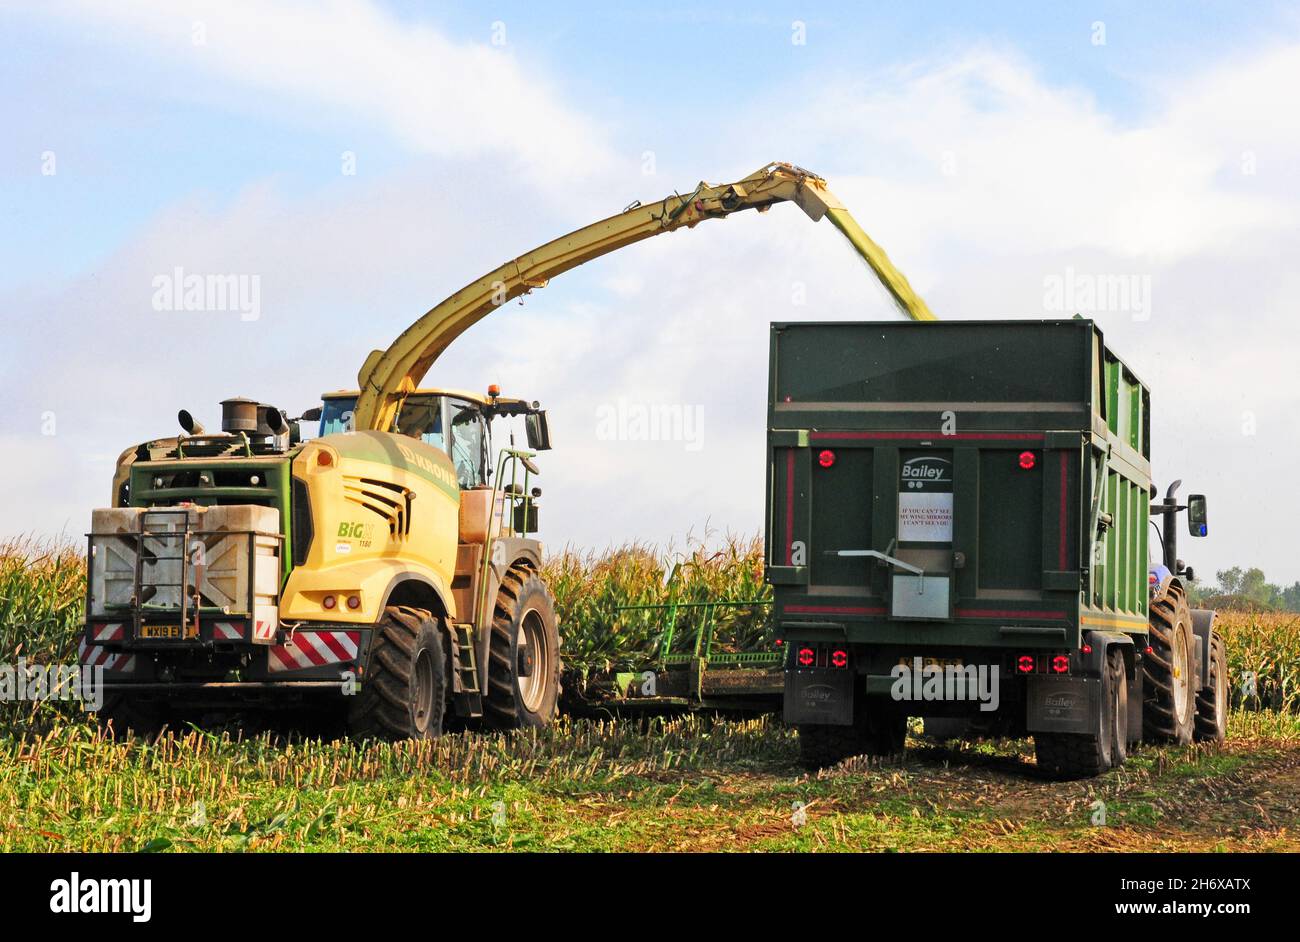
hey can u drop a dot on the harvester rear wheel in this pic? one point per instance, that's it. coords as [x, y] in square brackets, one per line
[1212, 702]
[1169, 710]
[523, 653]
[403, 691]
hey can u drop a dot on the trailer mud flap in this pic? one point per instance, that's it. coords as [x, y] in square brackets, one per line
[819, 696]
[1062, 704]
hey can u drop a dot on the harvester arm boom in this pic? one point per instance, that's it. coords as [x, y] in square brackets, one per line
[388, 375]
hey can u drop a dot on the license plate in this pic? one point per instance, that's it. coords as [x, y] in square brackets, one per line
[161, 632]
[932, 662]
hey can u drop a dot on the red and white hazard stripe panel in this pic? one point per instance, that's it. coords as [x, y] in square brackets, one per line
[263, 630]
[313, 649]
[113, 632]
[94, 655]
[228, 631]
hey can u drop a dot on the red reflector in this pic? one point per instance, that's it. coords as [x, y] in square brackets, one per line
[806, 657]
[1060, 664]
[1025, 663]
[1086, 649]
[778, 642]
[1028, 459]
[840, 658]
[826, 458]
[1150, 650]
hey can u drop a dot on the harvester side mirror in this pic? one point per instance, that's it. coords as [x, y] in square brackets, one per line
[188, 423]
[311, 415]
[538, 430]
[1196, 515]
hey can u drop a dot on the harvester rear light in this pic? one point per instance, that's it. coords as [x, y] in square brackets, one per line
[807, 657]
[826, 458]
[1060, 664]
[1028, 459]
[328, 603]
[839, 658]
[1025, 664]
[354, 601]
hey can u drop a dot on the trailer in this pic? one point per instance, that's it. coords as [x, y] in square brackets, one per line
[958, 526]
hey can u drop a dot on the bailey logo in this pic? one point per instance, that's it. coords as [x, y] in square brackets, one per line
[1059, 701]
[924, 470]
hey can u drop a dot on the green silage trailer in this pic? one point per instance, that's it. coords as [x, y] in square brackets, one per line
[958, 527]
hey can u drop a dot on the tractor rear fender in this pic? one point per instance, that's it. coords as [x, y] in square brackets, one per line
[1203, 628]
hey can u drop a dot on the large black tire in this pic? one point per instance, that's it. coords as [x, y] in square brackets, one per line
[821, 746]
[1169, 710]
[879, 729]
[123, 716]
[403, 691]
[1082, 755]
[1212, 701]
[523, 654]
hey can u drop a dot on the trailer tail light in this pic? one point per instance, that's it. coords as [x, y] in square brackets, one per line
[839, 658]
[1025, 664]
[1028, 459]
[807, 657]
[826, 458]
[1060, 664]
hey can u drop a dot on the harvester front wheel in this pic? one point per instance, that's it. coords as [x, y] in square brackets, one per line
[1169, 710]
[123, 716]
[523, 653]
[403, 691]
[1212, 702]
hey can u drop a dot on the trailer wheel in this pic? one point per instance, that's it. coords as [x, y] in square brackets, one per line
[1081, 755]
[1169, 711]
[1212, 702]
[523, 654]
[123, 716]
[879, 729]
[403, 691]
[822, 746]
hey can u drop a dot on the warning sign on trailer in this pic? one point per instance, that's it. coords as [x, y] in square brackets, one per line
[925, 500]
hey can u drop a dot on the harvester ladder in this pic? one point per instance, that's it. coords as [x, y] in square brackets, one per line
[468, 696]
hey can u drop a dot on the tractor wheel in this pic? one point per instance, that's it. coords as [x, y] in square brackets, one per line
[1082, 755]
[1169, 713]
[1212, 702]
[523, 654]
[123, 716]
[403, 691]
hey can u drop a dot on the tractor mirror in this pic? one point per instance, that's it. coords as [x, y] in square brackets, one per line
[1196, 522]
[539, 431]
[311, 415]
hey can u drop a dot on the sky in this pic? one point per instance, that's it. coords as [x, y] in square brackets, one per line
[359, 161]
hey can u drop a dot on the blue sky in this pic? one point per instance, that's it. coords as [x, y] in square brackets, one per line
[990, 147]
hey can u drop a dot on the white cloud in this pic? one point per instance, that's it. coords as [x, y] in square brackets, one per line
[439, 96]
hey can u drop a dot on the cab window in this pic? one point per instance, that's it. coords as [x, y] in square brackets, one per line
[336, 414]
[421, 418]
[469, 445]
